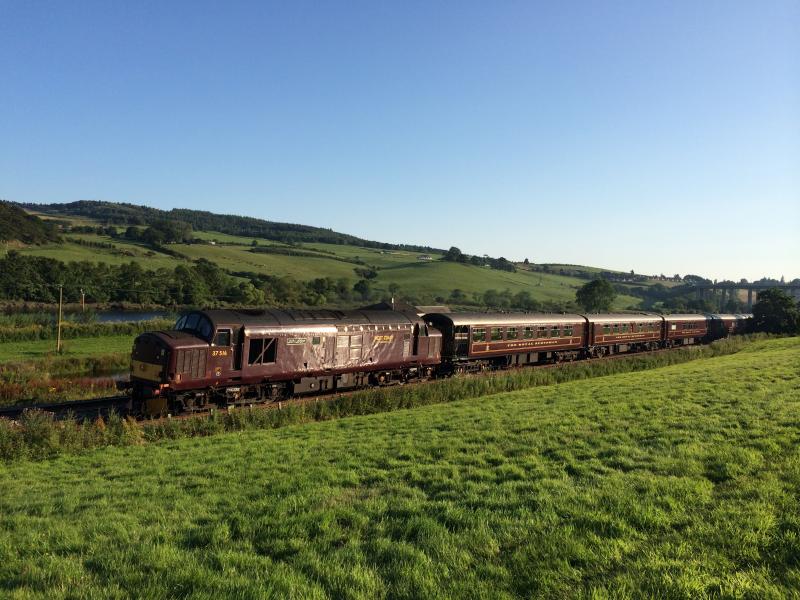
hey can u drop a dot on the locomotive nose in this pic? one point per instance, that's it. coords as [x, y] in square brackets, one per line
[148, 358]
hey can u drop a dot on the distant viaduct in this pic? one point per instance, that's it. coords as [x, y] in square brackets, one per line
[729, 289]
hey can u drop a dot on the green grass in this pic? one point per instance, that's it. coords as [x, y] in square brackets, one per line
[123, 253]
[239, 258]
[439, 278]
[681, 482]
[77, 348]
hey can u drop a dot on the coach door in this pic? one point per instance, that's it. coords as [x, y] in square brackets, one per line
[222, 353]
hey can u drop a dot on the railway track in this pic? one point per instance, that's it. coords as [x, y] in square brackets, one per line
[74, 409]
[103, 407]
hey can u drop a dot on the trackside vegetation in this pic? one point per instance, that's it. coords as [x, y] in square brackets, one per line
[680, 482]
[38, 435]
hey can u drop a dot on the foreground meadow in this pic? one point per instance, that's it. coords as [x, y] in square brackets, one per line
[680, 482]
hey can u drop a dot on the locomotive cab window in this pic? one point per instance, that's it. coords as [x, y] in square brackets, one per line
[191, 322]
[261, 351]
[461, 332]
[223, 337]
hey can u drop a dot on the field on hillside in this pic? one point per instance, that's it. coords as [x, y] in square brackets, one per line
[680, 482]
[429, 279]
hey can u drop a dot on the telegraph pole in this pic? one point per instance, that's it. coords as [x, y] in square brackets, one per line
[60, 303]
[83, 301]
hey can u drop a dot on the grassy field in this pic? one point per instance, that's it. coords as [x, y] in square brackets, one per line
[681, 482]
[74, 348]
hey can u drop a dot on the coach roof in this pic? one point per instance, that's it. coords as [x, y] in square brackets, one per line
[686, 317]
[624, 318]
[521, 318]
[290, 318]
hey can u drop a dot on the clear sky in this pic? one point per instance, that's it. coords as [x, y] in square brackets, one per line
[655, 136]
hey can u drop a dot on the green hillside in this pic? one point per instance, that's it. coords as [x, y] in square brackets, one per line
[680, 482]
[97, 233]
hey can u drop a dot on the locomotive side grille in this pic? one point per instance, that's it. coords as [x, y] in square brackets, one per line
[191, 363]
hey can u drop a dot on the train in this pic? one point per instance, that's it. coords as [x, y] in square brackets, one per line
[221, 358]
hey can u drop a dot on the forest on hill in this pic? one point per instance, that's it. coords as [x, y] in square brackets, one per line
[115, 213]
[18, 225]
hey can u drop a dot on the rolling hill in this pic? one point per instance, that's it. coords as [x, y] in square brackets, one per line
[246, 247]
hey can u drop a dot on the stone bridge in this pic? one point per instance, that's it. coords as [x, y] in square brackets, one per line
[729, 289]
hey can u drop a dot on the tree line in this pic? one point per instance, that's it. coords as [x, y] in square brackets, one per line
[124, 214]
[455, 255]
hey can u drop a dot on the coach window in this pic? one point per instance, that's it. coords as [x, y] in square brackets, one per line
[223, 337]
[542, 332]
[316, 340]
[261, 351]
[528, 333]
[568, 331]
[606, 329]
[478, 334]
[555, 331]
[497, 333]
[511, 333]
[616, 328]
[624, 328]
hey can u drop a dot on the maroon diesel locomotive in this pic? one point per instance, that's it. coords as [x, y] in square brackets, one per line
[224, 357]
[229, 357]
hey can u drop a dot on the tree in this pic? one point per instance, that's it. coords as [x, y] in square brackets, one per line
[595, 296]
[454, 255]
[363, 288]
[776, 312]
[458, 296]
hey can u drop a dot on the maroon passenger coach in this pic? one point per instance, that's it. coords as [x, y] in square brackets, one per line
[482, 339]
[611, 333]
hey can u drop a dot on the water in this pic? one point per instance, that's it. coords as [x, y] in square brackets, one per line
[129, 316]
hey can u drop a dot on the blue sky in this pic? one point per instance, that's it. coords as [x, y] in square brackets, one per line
[655, 136]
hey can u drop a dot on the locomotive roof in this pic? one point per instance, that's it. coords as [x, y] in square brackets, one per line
[479, 318]
[623, 317]
[288, 318]
[685, 317]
